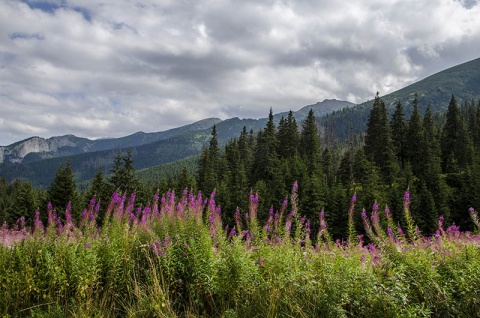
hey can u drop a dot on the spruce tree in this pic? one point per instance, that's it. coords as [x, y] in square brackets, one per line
[310, 144]
[208, 167]
[378, 142]
[123, 173]
[63, 190]
[414, 137]
[398, 126]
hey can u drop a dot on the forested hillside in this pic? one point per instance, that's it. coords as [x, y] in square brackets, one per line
[436, 157]
[462, 80]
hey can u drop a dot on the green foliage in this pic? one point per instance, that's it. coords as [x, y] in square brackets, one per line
[170, 260]
[378, 142]
[63, 190]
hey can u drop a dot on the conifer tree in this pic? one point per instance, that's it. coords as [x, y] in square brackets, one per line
[310, 144]
[378, 141]
[208, 166]
[457, 148]
[431, 166]
[23, 202]
[414, 136]
[63, 190]
[398, 126]
[123, 173]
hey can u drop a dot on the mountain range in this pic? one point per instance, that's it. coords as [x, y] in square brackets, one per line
[37, 159]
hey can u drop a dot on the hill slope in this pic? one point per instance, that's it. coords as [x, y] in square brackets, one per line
[462, 81]
[148, 150]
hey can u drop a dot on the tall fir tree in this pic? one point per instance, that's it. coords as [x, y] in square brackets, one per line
[208, 166]
[378, 142]
[123, 173]
[63, 190]
[398, 126]
[310, 147]
[414, 137]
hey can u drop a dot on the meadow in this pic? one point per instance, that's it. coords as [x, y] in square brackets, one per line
[175, 258]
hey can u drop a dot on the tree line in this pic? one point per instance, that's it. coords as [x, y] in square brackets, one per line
[437, 157]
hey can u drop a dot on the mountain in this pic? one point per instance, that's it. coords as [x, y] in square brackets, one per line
[37, 159]
[37, 148]
[462, 81]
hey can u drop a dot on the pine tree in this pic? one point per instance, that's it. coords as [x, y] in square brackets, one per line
[450, 138]
[63, 190]
[288, 136]
[22, 201]
[208, 167]
[398, 126]
[378, 141]
[328, 168]
[310, 144]
[414, 136]
[123, 173]
[431, 166]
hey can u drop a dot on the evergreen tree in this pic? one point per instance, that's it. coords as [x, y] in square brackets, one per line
[288, 136]
[310, 144]
[123, 173]
[457, 148]
[398, 126]
[378, 141]
[328, 168]
[431, 165]
[414, 134]
[345, 171]
[208, 166]
[266, 163]
[22, 201]
[63, 190]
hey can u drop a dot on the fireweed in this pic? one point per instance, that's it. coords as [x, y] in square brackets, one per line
[174, 257]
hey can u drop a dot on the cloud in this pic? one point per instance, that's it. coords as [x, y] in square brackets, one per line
[115, 67]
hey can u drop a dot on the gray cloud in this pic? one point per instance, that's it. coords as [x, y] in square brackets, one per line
[115, 67]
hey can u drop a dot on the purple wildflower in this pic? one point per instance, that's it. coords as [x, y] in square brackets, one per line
[364, 214]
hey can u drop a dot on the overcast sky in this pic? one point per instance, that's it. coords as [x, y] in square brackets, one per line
[114, 67]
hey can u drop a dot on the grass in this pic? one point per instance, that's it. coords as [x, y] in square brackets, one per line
[174, 258]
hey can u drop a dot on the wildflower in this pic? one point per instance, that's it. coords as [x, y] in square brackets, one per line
[390, 232]
[354, 197]
[232, 233]
[364, 214]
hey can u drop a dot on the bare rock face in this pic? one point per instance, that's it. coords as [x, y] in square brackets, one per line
[17, 151]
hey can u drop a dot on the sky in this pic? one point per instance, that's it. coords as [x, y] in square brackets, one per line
[111, 68]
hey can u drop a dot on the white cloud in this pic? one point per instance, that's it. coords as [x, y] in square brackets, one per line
[115, 67]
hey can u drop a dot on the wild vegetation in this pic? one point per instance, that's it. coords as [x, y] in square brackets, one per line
[174, 258]
[267, 251]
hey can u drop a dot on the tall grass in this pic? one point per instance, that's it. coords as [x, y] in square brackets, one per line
[175, 258]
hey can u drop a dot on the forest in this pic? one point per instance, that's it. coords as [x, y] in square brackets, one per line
[435, 156]
[296, 224]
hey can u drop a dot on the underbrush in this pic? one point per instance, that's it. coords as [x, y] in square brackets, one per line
[174, 258]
